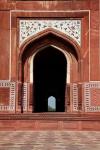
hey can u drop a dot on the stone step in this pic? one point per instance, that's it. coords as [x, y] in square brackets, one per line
[51, 116]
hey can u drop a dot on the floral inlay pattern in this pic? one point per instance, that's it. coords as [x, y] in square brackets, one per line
[70, 27]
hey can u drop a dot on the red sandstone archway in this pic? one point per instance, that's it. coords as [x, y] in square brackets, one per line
[46, 38]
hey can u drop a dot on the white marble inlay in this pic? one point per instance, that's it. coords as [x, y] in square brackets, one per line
[75, 96]
[25, 96]
[70, 27]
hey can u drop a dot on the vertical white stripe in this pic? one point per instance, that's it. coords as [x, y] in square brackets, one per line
[10, 51]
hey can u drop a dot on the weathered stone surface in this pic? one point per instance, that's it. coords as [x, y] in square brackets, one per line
[47, 140]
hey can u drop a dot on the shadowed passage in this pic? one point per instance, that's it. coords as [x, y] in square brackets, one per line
[49, 76]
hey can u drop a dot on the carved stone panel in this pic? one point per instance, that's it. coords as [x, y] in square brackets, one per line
[71, 27]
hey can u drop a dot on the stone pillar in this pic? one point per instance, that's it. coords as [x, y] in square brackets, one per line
[30, 98]
[19, 97]
[74, 97]
[67, 98]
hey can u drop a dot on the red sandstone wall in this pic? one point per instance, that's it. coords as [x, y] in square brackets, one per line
[9, 51]
[6, 7]
[4, 44]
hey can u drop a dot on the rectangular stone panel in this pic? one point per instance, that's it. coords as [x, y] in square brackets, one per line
[70, 125]
[7, 95]
[88, 125]
[48, 124]
[95, 97]
[92, 97]
[4, 96]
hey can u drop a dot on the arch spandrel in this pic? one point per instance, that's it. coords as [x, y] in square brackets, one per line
[47, 33]
[70, 27]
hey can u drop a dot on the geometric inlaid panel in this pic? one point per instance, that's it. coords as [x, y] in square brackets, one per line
[70, 27]
[9, 89]
[25, 96]
[75, 96]
[92, 97]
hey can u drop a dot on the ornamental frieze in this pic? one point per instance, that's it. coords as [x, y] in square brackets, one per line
[71, 27]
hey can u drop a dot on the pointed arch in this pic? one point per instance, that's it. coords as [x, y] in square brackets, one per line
[47, 33]
[66, 56]
[45, 38]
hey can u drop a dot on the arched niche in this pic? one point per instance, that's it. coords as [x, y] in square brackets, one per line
[50, 37]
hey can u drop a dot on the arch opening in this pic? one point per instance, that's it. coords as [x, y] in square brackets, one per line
[66, 54]
[51, 104]
[49, 76]
[34, 47]
[65, 44]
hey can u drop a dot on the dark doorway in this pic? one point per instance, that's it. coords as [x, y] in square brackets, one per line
[49, 79]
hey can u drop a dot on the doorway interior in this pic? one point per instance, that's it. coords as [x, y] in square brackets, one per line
[49, 76]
